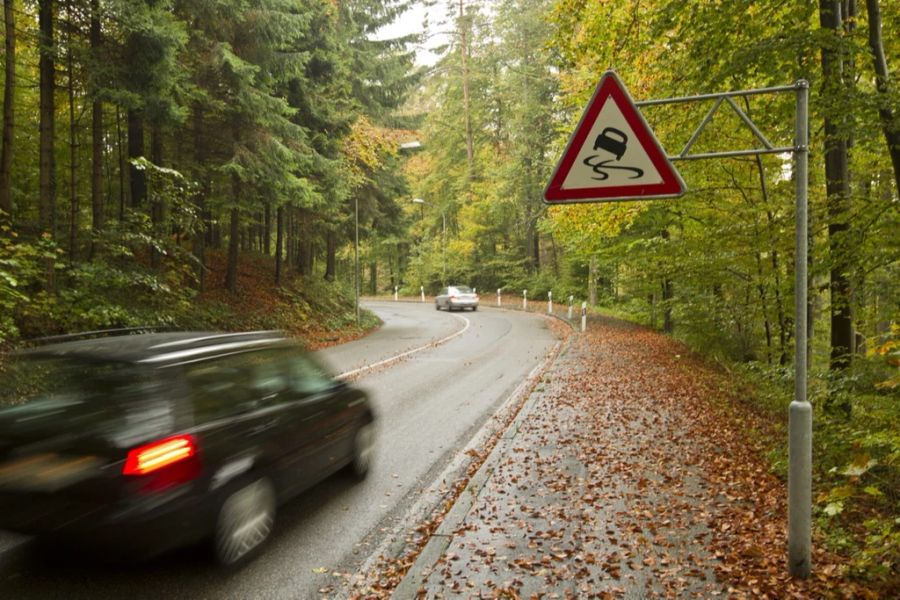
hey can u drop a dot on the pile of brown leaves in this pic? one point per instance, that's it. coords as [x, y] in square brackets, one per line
[634, 474]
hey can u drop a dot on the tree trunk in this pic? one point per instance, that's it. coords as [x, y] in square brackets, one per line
[96, 138]
[137, 178]
[9, 86]
[234, 240]
[301, 262]
[73, 153]
[119, 147]
[267, 230]
[279, 242]
[592, 281]
[47, 110]
[889, 124]
[764, 303]
[157, 208]
[668, 292]
[464, 63]
[288, 237]
[837, 185]
[330, 255]
[202, 230]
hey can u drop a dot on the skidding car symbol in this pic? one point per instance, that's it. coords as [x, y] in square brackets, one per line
[608, 141]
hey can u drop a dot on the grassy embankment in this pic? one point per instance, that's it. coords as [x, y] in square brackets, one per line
[317, 312]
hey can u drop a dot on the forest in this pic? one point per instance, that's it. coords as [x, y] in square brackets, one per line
[150, 146]
[162, 159]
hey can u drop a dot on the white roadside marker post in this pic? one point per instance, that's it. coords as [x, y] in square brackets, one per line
[583, 316]
[524, 299]
[571, 298]
[498, 297]
[422, 291]
[549, 303]
[396, 297]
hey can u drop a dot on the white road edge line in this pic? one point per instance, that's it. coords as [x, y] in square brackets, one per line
[380, 363]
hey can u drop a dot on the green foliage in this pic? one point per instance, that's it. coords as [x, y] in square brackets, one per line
[23, 268]
[856, 459]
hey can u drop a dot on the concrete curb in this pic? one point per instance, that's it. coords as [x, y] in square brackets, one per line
[440, 539]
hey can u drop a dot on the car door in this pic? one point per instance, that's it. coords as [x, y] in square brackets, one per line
[314, 425]
[237, 417]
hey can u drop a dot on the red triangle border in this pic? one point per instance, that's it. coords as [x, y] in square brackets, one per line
[671, 185]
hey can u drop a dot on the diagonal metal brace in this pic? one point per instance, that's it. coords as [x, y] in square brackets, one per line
[701, 127]
[749, 122]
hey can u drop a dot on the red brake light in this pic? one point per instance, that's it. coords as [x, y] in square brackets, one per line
[159, 454]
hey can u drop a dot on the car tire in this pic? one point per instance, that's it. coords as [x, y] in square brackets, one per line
[474, 308]
[244, 523]
[363, 450]
[437, 306]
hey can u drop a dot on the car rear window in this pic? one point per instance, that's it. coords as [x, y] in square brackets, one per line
[462, 289]
[115, 401]
[228, 385]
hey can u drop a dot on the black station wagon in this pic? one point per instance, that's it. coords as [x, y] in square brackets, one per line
[157, 440]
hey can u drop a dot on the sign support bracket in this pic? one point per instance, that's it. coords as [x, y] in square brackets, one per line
[800, 410]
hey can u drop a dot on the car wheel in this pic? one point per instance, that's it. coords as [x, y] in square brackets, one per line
[245, 522]
[437, 306]
[474, 308]
[363, 450]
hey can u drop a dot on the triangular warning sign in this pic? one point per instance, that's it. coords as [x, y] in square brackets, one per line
[613, 154]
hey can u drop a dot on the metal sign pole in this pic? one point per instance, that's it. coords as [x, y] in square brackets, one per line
[800, 411]
[800, 419]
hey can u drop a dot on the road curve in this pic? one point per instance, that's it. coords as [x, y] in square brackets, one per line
[430, 403]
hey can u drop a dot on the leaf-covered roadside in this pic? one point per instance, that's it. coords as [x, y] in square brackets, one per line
[636, 473]
[381, 579]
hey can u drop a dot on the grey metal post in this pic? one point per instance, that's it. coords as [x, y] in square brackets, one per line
[549, 303]
[800, 418]
[422, 292]
[800, 411]
[584, 316]
[396, 294]
[356, 258]
[524, 299]
[443, 248]
[498, 296]
[571, 298]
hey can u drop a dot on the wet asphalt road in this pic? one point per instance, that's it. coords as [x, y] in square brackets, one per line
[429, 404]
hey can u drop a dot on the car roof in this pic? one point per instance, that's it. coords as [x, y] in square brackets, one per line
[157, 348]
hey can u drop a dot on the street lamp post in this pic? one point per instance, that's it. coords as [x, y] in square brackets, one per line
[443, 239]
[356, 258]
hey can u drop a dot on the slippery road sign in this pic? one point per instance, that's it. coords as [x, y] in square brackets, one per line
[613, 154]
